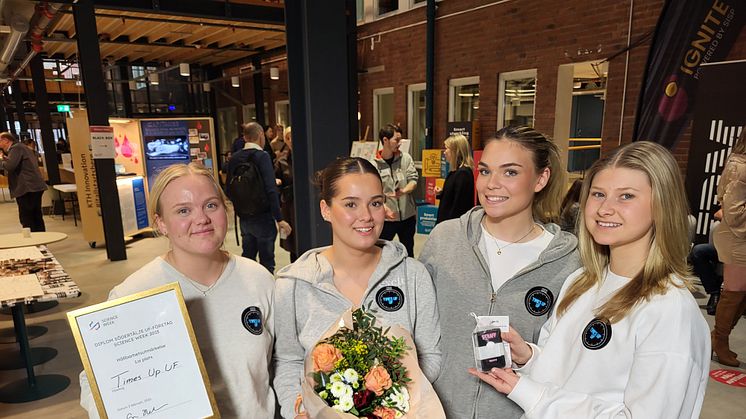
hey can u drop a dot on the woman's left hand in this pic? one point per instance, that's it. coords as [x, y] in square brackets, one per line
[502, 380]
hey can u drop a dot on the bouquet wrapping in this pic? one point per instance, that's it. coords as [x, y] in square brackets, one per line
[343, 380]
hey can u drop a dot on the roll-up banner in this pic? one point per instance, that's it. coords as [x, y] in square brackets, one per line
[718, 119]
[689, 33]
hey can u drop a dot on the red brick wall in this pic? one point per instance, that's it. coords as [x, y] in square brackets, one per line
[515, 35]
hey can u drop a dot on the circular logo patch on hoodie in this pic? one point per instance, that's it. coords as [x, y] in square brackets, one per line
[390, 298]
[251, 318]
[597, 334]
[539, 301]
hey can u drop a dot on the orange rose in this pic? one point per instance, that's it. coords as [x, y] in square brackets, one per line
[377, 380]
[384, 412]
[325, 356]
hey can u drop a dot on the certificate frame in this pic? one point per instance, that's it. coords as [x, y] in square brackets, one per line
[119, 304]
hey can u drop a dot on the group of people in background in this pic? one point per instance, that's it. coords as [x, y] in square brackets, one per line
[602, 320]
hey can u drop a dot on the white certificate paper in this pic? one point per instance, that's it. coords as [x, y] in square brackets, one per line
[141, 358]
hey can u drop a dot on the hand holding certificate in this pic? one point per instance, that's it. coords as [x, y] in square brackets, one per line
[141, 357]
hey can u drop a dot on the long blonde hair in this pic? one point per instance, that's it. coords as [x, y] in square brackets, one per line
[459, 146]
[669, 242]
[546, 204]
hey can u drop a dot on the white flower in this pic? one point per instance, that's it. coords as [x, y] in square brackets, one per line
[336, 377]
[400, 399]
[338, 408]
[338, 389]
[346, 403]
[351, 376]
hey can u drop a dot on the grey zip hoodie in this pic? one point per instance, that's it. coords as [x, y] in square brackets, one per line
[455, 258]
[307, 304]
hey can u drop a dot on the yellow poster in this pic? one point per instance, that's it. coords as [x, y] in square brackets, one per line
[431, 163]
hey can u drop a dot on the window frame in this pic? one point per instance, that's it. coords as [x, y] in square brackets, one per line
[452, 85]
[505, 77]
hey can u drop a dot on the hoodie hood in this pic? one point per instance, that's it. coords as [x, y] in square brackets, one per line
[315, 269]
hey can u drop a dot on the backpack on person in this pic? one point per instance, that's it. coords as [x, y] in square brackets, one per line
[245, 189]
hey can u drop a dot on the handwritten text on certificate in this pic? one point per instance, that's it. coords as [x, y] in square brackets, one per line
[143, 361]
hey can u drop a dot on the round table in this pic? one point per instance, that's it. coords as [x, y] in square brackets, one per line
[12, 240]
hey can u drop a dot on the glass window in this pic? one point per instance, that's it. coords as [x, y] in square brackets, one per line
[416, 121]
[383, 109]
[387, 6]
[517, 94]
[360, 9]
[249, 112]
[282, 113]
[463, 99]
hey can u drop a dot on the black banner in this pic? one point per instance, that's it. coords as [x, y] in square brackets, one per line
[718, 119]
[689, 33]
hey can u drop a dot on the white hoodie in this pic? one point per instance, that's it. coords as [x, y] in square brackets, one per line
[654, 365]
[308, 304]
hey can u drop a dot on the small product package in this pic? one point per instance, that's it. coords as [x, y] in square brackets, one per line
[489, 349]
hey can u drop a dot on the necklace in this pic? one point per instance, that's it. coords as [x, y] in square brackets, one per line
[196, 285]
[500, 249]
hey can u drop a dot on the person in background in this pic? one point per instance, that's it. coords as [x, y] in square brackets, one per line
[239, 141]
[258, 233]
[278, 143]
[25, 181]
[399, 178]
[627, 339]
[31, 144]
[730, 242]
[503, 258]
[269, 135]
[357, 270]
[570, 208]
[284, 172]
[188, 208]
[457, 195]
[705, 261]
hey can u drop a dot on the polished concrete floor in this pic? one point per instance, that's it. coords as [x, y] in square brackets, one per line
[95, 275]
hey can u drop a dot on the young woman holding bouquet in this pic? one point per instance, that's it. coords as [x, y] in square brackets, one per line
[503, 258]
[633, 243]
[222, 292]
[357, 270]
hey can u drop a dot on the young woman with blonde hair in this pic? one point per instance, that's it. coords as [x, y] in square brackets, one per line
[503, 258]
[229, 298]
[457, 195]
[627, 338]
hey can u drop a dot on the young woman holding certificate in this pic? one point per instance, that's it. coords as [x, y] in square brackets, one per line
[503, 258]
[229, 298]
[357, 270]
[627, 338]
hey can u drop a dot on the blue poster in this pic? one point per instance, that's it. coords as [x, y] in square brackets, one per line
[427, 216]
[164, 143]
[141, 208]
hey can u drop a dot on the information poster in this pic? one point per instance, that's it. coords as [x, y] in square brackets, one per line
[364, 149]
[102, 142]
[141, 357]
[431, 162]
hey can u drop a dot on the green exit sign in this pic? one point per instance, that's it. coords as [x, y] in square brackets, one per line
[63, 108]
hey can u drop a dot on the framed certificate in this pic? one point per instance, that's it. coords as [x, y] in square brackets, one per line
[141, 357]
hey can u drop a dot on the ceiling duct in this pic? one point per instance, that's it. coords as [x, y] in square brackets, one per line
[18, 28]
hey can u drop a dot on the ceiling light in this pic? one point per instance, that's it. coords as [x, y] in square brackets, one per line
[274, 73]
[234, 81]
[154, 79]
[206, 87]
[184, 69]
